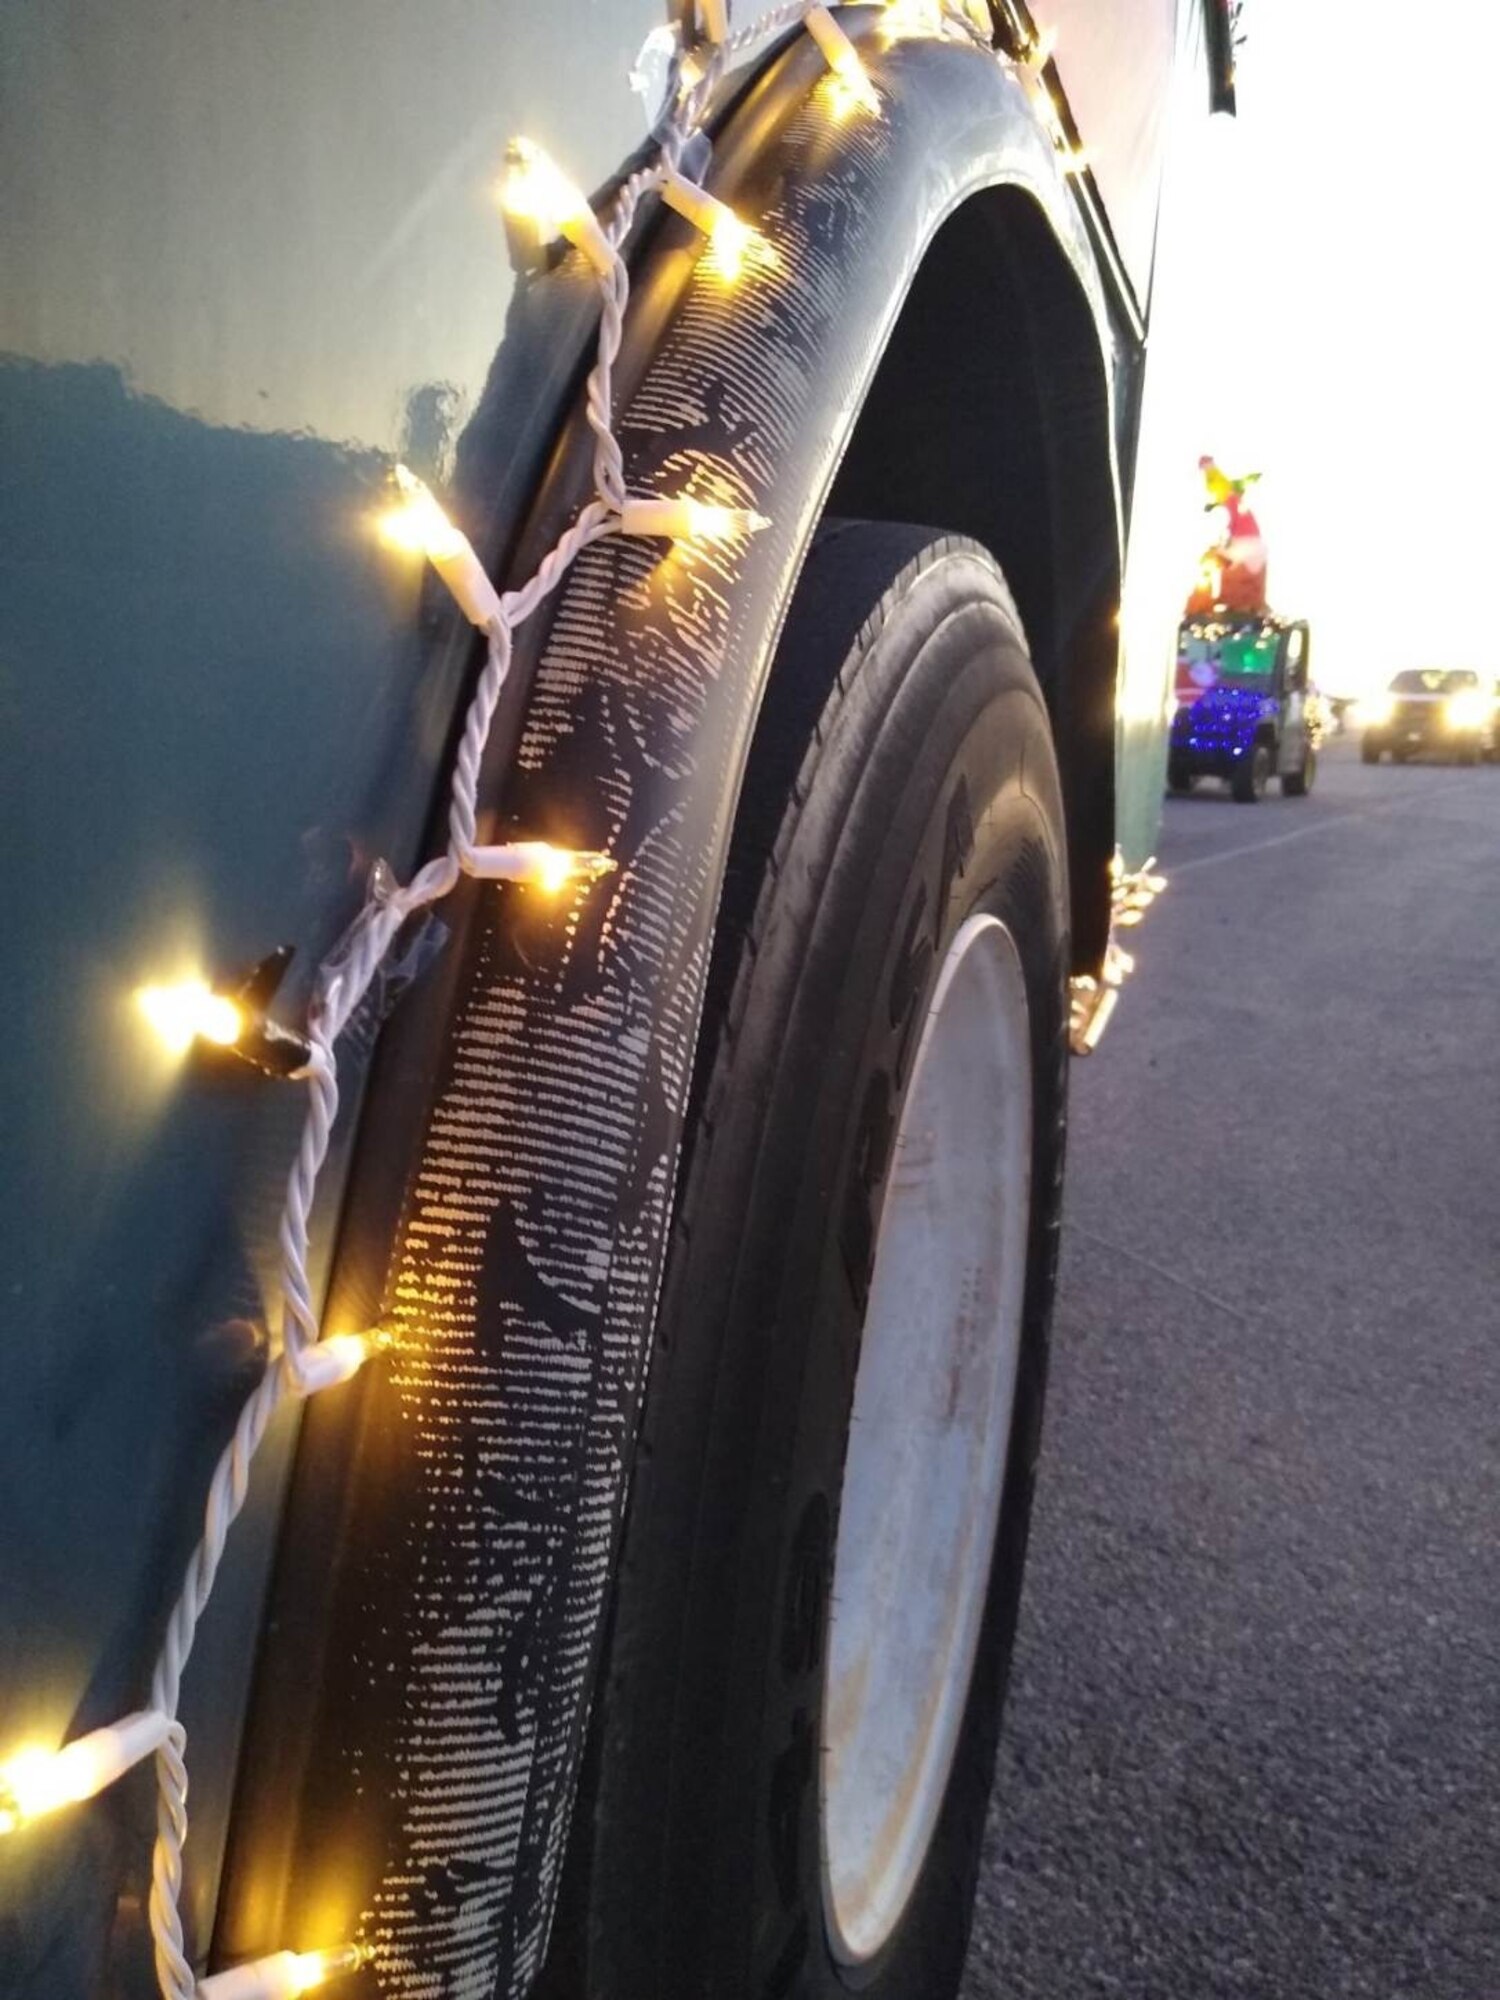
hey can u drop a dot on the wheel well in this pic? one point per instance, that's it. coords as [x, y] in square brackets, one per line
[989, 416]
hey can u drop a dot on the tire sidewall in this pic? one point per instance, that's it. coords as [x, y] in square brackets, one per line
[937, 799]
[1003, 878]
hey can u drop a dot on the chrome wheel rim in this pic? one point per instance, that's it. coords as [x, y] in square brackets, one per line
[925, 1468]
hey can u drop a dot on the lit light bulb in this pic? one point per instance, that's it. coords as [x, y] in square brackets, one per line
[418, 526]
[904, 18]
[189, 1010]
[335, 1358]
[684, 519]
[537, 864]
[34, 1781]
[1092, 1005]
[732, 244]
[729, 240]
[537, 191]
[851, 87]
[233, 1016]
[282, 1976]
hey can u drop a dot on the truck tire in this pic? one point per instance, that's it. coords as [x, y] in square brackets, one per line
[1297, 784]
[1249, 781]
[1179, 778]
[867, 1217]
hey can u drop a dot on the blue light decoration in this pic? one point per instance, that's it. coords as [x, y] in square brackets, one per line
[1221, 722]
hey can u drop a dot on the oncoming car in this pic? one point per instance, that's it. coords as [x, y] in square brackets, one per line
[1431, 711]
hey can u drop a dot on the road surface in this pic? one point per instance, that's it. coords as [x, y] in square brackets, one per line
[1253, 1744]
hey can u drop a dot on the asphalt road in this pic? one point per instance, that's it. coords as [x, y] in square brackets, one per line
[1253, 1744]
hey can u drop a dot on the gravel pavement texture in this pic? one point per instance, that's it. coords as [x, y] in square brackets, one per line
[1253, 1741]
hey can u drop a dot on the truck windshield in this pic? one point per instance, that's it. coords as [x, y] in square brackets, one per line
[1433, 680]
[1240, 655]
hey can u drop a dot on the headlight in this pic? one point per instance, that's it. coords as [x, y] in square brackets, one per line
[1468, 709]
[1374, 710]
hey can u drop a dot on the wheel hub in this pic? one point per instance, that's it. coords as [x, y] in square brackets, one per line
[928, 1441]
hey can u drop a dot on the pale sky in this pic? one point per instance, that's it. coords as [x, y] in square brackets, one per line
[1354, 275]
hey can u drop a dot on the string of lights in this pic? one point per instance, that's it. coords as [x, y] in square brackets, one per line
[1092, 1001]
[536, 196]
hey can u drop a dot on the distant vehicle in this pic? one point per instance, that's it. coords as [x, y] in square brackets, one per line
[1245, 710]
[1431, 712]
